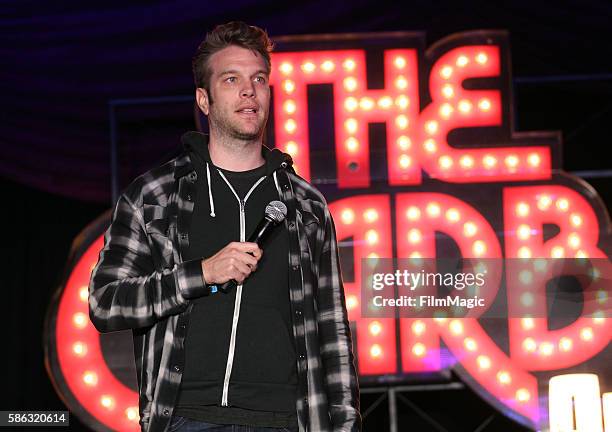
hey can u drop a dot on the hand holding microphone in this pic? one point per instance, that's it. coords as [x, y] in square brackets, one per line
[236, 261]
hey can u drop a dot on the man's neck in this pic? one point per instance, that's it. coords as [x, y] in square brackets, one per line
[235, 155]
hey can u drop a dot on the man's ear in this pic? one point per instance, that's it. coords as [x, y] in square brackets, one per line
[202, 100]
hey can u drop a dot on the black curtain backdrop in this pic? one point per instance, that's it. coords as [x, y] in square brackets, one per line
[62, 63]
[38, 229]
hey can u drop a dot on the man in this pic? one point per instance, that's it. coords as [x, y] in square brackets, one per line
[274, 352]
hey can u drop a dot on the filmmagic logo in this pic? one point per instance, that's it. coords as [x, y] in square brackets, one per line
[429, 301]
[413, 280]
[426, 287]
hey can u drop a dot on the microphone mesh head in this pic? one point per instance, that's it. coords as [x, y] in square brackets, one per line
[277, 211]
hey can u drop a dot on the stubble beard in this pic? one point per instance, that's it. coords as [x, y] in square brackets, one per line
[228, 129]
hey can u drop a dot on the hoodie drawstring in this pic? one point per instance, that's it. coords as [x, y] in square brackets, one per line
[210, 195]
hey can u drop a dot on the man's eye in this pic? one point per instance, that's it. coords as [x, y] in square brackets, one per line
[260, 79]
[230, 79]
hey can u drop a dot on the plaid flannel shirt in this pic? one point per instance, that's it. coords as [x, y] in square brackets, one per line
[142, 283]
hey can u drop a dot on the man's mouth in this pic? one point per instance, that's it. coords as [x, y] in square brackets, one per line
[247, 111]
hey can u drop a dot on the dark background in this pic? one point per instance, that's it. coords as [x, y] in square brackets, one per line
[62, 62]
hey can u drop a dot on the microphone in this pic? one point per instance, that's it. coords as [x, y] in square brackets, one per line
[275, 213]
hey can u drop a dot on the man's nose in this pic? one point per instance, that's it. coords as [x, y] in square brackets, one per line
[248, 90]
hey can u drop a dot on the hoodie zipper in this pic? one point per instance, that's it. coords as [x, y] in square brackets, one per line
[236, 315]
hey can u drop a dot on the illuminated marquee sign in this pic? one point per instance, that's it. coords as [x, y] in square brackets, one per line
[445, 163]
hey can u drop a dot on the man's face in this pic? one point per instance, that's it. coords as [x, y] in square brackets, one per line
[240, 89]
